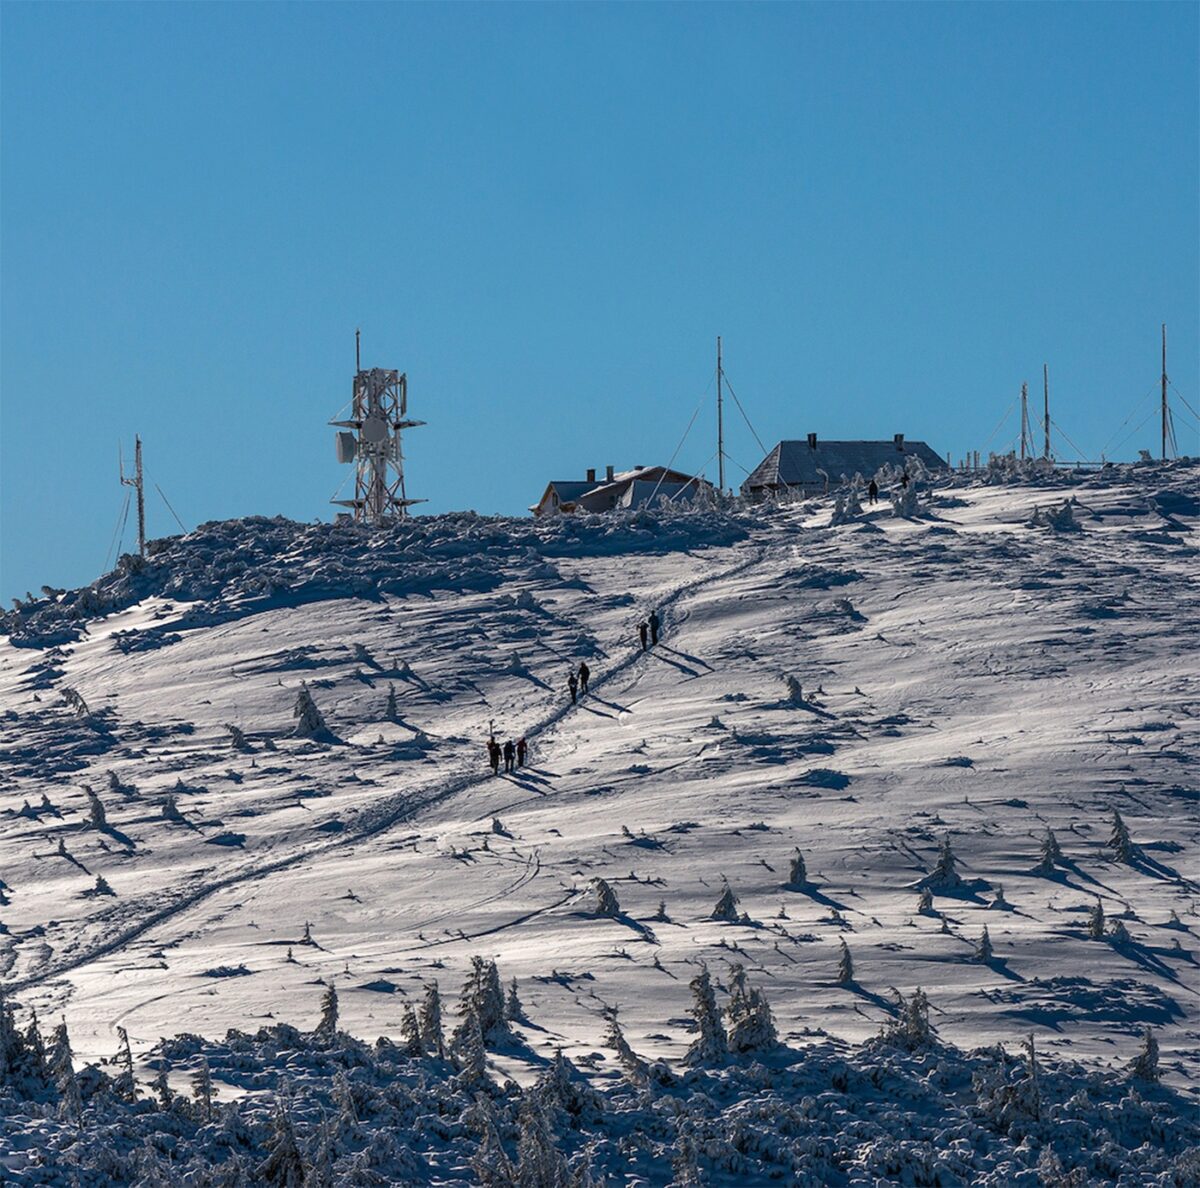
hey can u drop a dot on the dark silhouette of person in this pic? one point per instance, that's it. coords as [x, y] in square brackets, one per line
[904, 480]
[642, 630]
[493, 750]
[584, 673]
[522, 751]
[873, 491]
[509, 753]
[653, 621]
[573, 685]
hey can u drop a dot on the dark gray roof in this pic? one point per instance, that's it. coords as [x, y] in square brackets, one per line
[796, 463]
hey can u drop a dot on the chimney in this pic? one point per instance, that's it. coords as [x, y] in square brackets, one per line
[591, 478]
[899, 440]
[608, 474]
[812, 441]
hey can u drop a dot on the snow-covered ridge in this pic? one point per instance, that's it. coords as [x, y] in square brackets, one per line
[233, 566]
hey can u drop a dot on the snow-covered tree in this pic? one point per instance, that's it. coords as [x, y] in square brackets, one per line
[983, 950]
[660, 916]
[1118, 933]
[1145, 1066]
[750, 1026]
[513, 1011]
[62, 1069]
[709, 1045]
[237, 737]
[170, 809]
[490, 1164]
[1095, 926]
[999, 903]
[431, 1022]
[1050, 855]
[910, 1028]
[410, 1031]
[391, 711]
[797, 871]
[540, 1164]
[631, 1064]
[202, 1089]
[604, 899]
[1119, 840]
[284, 1165]
[96, 813]
[125, 1084]
[309, 723]
[845, 975]
[102, 887]
[795, 691]
[329, 1012]
[925, 902]
[726, 907]
[483, 998]
[162, 1088]
[35, 1050]
[944, 876]
[685, 1164]
[469, 1052]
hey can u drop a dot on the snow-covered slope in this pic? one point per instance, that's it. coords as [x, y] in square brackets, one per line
[972, 673]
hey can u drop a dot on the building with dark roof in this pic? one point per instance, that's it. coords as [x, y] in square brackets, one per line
[638, 487]
[812, 466]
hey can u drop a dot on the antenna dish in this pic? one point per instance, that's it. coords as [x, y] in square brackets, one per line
[375, 429]
[347, 447]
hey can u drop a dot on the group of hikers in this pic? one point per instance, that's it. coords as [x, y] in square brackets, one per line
[515, 754]
[873, 490]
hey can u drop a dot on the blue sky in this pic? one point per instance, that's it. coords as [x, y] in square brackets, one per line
[893, 214]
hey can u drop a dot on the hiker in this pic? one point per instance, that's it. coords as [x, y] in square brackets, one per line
[904, 480]
[509, 752]
[873, 492]
[642, 629]
[522, 751]
[493, 750]
[653, 621]
[573, 685]
[584, 673]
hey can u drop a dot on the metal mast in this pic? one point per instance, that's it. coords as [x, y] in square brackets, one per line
[1046, 408]
[378, 414]
[1024, 417]
[720, 426]
[1165, 412]
[137, 484]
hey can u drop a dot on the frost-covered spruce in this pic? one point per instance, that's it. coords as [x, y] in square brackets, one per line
[162, 1088]
[794, 690]
[237, 737]
[983, 950]
[797, 872]
[101, 887]
[309, 723]
[945, 874]
[1095, 927]
[483, 999]
[170, 809]
[124, 1083]
[726, 907]
[660, 916]
[490, 1162]
[750, 1026]
[1051, 854]
[410, 1032]
[540, 1164]
[910, 1028]
[202, 1089]
[845, 974]
[1119, 934]
[431, 1022]
[62, 1069]
[999, 903]
[513, 1011]
[329, 1012]
[469, 1053]
[709, 1046]
[96, 813]
[604, 899]
[1145, 1067]
[925, 902]
[631, 1064]
[283, 1166]
[114, 785]
[391, 711]
[1119, 840]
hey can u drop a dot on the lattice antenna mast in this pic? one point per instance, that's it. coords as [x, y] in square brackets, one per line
[371, 439]
[1026, 434]
[1166, 415]
[1046, 408]
[720, 425]
[137, 484]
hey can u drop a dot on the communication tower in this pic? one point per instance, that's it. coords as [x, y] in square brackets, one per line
[370, 438]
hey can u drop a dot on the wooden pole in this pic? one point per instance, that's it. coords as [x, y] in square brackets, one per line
[1164, 393]
[720, 426]
[1046, 407]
